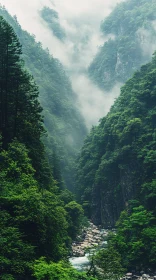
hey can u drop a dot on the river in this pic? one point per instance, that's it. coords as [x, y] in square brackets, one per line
[80, 263]
[93, 239]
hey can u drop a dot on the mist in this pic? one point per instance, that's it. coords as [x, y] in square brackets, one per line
[81, 22]
[147, 40]
[93, 102]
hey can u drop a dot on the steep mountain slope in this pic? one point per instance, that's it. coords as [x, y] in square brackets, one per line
[119, 156]
[65, 126]
[131, 29]
[37, 219]
[51, 17]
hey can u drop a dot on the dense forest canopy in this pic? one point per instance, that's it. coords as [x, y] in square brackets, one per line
[36, 217]
[115, 169]
[63, 122]
[123, 145]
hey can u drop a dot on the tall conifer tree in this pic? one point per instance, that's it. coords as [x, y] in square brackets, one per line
[20, 111]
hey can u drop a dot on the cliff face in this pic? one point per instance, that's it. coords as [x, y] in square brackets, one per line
[113, 200]
[118, 156]
[132, 34]
[113, 163]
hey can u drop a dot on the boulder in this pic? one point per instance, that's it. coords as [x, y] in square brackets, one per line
[145, 276]
[95, 231]
[129, 274]
[95, 244]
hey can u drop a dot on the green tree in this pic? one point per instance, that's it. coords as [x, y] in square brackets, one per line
[135, 237]
[131, 29]
[33, 223]
[20, 110]
[108, 264]
[62, 119]
[75, 215]
[59, 271]
[15, 254]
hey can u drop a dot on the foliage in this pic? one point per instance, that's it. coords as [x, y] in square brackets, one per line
[131, 32]
[108, 264]
[32, 222]
[59, 271]
[66, 196]
[33, 218]
[15, 254]
[75, 215]
[63, 122]
[118, 156]
[117, 164]
[135, 238]
[50, 16]
[20, 111]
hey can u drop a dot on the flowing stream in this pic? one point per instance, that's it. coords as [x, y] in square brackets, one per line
[93, 239]
[80, 263]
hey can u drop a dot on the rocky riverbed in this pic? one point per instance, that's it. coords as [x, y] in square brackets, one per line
[138, 276]
[91, 237]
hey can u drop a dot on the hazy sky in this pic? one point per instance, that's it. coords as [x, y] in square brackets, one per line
[81, 21]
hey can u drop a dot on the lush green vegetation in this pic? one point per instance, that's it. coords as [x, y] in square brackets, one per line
[116, 169]
[35, 215]
[133, 247]
[132, 33]
[117, 165]
[63, 122]
[135, 239]
[52, 19]
[106, 264]
[59, 271]
[116, 181]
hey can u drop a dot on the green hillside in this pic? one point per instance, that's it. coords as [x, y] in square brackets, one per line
[51, 17]
[37, 219]
[132, 36]
[63, 122]
[118, 157]
[117, 171]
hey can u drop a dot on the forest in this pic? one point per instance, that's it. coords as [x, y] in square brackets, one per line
[116, 170]
[131, 32]
[54, 175]
[63, 122]
[36, 215]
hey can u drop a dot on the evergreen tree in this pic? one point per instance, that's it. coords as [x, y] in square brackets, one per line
[10, 51]
[62, 119]
[20, 111]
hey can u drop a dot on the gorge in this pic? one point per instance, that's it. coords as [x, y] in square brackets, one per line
[77, 139]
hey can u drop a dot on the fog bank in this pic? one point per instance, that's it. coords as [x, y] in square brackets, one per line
[81, 22]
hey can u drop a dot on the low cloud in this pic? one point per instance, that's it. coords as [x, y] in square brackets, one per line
[147, 40]
[93, 102]
[81, 21]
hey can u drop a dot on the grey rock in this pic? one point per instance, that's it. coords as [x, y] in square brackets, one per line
[145, 276]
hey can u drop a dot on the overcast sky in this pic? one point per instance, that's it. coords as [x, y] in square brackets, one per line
[80, 19]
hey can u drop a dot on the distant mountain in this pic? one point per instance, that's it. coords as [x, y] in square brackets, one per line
[51, 17]
[64, 123]
[131, 29]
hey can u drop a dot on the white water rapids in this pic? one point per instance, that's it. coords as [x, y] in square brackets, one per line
[80, 263]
